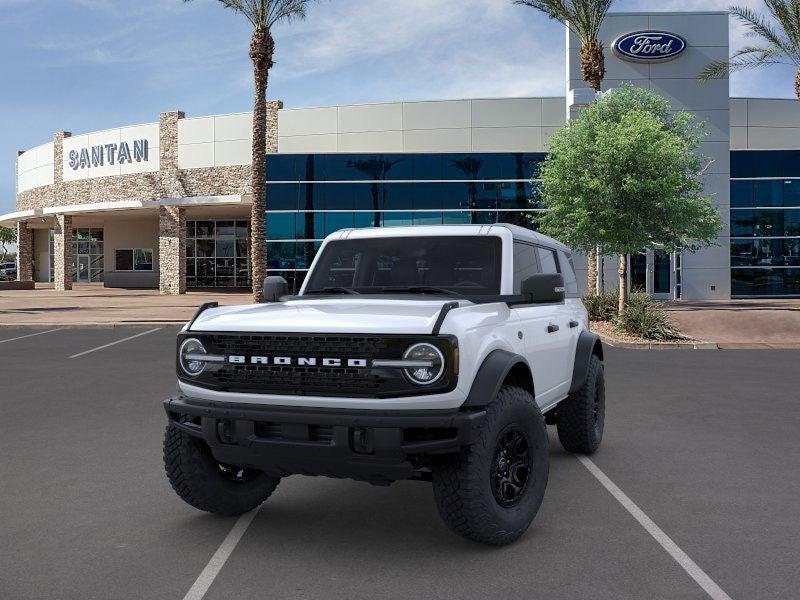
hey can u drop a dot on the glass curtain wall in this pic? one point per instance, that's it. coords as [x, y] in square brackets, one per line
[312, 195]
[217, 254]
[765, 223]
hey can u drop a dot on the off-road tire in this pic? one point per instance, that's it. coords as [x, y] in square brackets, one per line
[200, 481]
[462, 483]
[581, 417]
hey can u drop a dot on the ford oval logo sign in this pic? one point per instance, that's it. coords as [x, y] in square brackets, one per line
[649, 46]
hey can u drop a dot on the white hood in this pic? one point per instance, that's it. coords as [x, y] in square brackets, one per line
[329, 315]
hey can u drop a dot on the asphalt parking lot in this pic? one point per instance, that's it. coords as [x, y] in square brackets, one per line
[705, 443]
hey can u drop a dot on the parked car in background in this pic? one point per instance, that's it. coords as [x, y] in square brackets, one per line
[8, 271]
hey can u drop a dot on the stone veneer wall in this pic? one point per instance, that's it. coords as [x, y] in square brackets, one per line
[62, 250]
[24, 252]
[172, 250]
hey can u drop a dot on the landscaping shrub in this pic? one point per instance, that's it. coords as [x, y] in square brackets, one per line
[646, 318]
[602, 307]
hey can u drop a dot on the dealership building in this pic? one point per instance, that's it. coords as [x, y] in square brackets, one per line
[167, 204]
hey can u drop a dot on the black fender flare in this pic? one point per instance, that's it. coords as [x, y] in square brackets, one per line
[588, 343]
[491, 375]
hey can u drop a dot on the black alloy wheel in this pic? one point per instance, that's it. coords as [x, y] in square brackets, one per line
[511, 467]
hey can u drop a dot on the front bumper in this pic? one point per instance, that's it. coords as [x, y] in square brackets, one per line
[375, 446]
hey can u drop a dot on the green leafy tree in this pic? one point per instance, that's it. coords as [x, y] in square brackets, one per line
[778, 40]
[584, 19]
[8, 236]
[263, 15]
[627, 174]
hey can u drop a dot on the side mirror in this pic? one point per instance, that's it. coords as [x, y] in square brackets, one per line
[275, 287]
[544, 288]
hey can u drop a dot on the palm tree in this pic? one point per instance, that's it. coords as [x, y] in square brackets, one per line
[584, 19]
[780, 41]
[263, 15]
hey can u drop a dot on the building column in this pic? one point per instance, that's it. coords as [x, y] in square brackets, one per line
[24, 252]
[62, 253]
[171, 250]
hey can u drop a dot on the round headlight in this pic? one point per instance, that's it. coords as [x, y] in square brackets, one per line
[188, 357]
[426, 353]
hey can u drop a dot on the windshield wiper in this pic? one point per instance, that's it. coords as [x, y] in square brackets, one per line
[332, 290]
[421, 289]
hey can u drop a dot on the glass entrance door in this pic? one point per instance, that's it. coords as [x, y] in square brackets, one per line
[662, 271]
[82, 274]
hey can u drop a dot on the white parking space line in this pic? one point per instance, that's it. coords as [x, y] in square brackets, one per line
[214, 566]
[22, 337]
[115, 343]
[695, 572]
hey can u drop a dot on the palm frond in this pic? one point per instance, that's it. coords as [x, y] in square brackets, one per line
[745, 58]
[786, 16]
[759, 26]
[583, 17]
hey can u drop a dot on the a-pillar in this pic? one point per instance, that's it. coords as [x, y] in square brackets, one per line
[171, 250]
[24, 252]
[62, 253]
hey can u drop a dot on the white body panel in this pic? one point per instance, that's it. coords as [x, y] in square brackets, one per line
[479, 328]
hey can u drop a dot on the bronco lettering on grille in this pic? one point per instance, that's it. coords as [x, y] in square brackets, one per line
[302, 361]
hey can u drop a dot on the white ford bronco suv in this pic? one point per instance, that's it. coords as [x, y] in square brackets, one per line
[435, 353]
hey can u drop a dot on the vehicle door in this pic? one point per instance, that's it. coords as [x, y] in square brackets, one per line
[544, 327]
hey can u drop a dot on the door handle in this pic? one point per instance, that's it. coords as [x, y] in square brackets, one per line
[573, 324]
[552, 328]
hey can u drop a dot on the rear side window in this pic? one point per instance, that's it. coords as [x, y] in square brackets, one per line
[547, 260]
[568, 270]
[525, 264]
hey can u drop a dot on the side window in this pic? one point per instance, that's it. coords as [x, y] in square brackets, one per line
[568, 269]
[525, 264]
[547, 258]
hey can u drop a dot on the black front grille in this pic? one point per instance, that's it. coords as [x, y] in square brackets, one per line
[296, 379]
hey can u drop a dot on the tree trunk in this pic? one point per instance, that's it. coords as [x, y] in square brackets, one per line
[593, 70]
[591, 269]
[797, 84]
[593, 64]
[262, 48]
[623, 282]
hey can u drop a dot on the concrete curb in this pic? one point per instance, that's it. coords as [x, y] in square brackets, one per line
[659, 345]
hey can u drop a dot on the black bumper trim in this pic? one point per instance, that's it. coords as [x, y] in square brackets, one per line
[232, 433]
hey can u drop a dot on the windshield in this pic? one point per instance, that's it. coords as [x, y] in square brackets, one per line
[458, 265]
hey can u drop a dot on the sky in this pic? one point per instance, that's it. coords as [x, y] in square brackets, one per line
[86, 65]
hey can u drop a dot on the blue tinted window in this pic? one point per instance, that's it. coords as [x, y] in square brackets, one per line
[339, 196]
[465, 166]
[397, 219]
[281, 255]
[367, 196]
[765, 282]
[396, 196]
[742, 164]
[457, 218]
[427, 218]
[426, 166]
[367, 219]
[311, 196]
[310, 226]
[280, 226]
[455, 195]
[791, 192]
[742, 223]
[282, 167]
[741, 194]
[768, 193]
[427, 195]
[336, 221]
[282, 196]
[779, 253]
[791, 222]
[768, 163]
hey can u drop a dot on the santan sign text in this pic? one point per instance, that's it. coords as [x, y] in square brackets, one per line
[97, 156]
